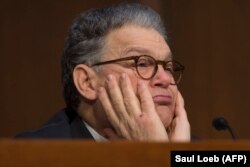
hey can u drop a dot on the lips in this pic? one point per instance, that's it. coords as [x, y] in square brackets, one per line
[162, 99]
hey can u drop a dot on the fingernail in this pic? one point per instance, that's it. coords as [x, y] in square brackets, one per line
[123, 76]
[110, 77]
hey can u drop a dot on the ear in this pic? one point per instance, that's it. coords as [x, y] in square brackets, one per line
[85, 81]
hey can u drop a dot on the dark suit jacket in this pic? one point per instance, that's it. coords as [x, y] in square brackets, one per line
[64, 124]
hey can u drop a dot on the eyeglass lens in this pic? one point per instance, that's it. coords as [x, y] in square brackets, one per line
[147, 68]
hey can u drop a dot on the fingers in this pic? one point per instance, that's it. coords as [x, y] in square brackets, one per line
[147, 104]
[114, 119]
[111, 115]
[116, 97]
[120, 104]
[122, 97]
[129, 98]
[130, 118]
[179, 106]
[179, 130]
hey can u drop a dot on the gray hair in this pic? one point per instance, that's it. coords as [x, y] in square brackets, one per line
[86, 38]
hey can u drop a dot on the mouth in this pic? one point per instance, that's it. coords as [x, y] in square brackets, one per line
[162, 99]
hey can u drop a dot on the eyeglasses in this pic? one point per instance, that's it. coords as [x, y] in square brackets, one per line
[147, 66]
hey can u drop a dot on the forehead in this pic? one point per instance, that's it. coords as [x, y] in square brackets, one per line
[132, 40]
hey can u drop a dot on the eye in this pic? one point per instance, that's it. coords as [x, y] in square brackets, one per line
[173, 67]
[170, 67]
[145, 62]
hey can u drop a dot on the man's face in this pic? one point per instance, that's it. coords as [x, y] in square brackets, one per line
[135, 41]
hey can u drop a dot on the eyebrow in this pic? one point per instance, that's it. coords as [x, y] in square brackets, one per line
[146, 51]
[136, 49]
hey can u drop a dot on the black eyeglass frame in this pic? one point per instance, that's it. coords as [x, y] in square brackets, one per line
[136, 58]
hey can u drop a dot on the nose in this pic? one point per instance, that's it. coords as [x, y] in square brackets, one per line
[162, 78]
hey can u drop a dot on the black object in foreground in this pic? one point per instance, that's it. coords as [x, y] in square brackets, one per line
[221, 123]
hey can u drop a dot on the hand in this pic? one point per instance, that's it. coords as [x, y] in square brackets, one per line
[179, 130]
[132, 118]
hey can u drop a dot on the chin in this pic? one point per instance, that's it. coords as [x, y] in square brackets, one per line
[166, 114]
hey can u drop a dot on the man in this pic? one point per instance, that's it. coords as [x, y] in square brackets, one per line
[119, 80]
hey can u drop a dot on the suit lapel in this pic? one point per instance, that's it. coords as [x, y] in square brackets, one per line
[79, 130]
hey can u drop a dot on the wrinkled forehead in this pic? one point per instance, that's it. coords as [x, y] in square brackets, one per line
[134, 41]
[138, 51]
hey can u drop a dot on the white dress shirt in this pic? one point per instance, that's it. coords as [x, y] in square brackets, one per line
[94, 133]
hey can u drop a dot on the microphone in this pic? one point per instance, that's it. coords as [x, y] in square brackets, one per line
[221, 123]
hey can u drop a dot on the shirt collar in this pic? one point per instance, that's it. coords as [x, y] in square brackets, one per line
[94, 133]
